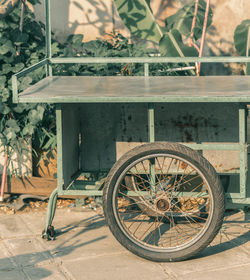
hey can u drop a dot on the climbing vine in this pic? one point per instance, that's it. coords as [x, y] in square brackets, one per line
[21, 45]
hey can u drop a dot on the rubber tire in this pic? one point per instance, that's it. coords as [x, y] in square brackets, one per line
[205, 168]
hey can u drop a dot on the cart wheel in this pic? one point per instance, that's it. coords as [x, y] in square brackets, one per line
[163, 201]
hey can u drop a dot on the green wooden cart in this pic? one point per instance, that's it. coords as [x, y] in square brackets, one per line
[163, 201]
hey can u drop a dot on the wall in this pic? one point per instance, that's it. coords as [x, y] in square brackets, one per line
[21, 162]
[95, 18]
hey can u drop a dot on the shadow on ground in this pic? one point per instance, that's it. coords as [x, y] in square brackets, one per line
[234, 233]
[33, 261]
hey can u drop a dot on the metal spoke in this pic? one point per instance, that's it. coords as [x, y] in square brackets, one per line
[153, 219]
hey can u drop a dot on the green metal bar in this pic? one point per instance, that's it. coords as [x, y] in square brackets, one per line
[248, 42]
[59, 128]
[51, 209]
[151, 139]
[32, 68]
[151, 123]
[14, 89]
[23, 73]
[218, 59]
[229, 199]
[48, 36]
[80, 192]
[214, 147]
[151, 131]
[245, 201]
[90, 184]
[146, 69]
[234, 195]
[131, 193]
[248, 48]
[243, 150]
[135, 99]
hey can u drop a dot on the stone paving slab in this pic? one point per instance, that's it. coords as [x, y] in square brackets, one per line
[68, 220]
[235, 273]
[217, 256]
[27, 251]
[6, 263]
[13, 226]
[228, 250]
[91, 246]
[85, 249]
[48, 272]
[17, 274]
[86, 238]
[121, 266]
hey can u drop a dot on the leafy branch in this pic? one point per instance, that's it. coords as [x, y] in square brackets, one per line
[189, 23]
[242, 41]
[21, 45]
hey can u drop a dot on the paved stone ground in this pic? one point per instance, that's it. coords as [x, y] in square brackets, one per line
[85, 249]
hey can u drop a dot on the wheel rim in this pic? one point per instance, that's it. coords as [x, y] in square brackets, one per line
[162, 202]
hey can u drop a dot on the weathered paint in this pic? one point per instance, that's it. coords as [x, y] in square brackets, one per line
[84, 89]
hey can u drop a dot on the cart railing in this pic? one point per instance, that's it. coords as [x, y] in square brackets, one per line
[48, 62]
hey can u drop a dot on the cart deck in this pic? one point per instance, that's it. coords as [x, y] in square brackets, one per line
[85, 89]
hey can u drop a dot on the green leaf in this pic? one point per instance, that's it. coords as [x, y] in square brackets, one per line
[171, 44]
[7, 59]
[40, 110]
[26, 81]
[13, 125]
[18, 67]
[19, 108]
[6, 47]
[5, 94]
[183, 18]
[33, 2]
[137, 16]
[28, 130]
[54, 48]
[2, 82]
[51, 142]
[242, 37]
[35, 116]
[3, 24]
[75, 39]
[242, 41]
[9, 134]
[34, 29]
[4, 109]
[6, 68]
[248, 69]
[21, 38]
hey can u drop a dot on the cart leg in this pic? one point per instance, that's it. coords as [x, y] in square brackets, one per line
[49, 232]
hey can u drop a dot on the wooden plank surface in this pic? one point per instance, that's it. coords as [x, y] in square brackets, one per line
[139, 89]
[31, 185]
[34, 185]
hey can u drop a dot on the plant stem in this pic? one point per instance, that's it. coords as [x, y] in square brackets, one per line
[193, 23]
[203, 36]
[21, 23]
[4, 175]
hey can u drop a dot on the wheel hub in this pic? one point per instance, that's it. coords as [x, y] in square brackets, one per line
[162, 204]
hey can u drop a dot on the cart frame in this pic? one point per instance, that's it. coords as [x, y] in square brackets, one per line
[234, 200]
